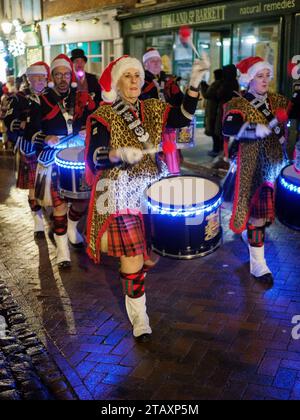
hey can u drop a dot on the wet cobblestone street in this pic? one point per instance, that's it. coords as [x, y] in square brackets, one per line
[216, 333]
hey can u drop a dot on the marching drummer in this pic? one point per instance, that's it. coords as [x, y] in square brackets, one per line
[119, 135]
[20, 121]
[158, 84]
[258, 121]
[61, 115]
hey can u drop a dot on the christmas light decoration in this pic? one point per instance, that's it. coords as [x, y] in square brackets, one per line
[16, 47]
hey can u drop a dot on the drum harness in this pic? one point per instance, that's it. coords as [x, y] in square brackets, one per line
[47, 156]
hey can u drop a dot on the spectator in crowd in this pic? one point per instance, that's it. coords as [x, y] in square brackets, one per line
[210, 94]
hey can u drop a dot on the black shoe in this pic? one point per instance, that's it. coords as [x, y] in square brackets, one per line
[266, 279]
[144, 338]
[77, 246]
[39, 235]
[64, 265]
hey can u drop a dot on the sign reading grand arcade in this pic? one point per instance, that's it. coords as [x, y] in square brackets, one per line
[212, 14]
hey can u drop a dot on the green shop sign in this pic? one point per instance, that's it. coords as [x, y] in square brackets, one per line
[211, 14]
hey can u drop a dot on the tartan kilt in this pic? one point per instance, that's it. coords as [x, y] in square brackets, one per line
[126, 237]
[26, 169]
[264, 207]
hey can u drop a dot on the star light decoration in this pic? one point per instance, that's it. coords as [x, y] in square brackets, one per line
[16, 46]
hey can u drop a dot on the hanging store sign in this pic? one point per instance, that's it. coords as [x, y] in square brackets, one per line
[222, 13]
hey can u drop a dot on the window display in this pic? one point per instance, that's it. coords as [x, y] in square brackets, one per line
[257, 40]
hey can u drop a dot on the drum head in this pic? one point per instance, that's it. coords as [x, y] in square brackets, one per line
[183, 192]
[290, 175]
[72, 154]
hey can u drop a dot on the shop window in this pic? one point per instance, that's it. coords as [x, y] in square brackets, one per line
[56, 50]
[93, 50]
[164, 44]
[183, 58]
[257, 40]
[136, 47]
[96, 48]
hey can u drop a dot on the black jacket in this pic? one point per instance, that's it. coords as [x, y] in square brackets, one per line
[94, 88]
[171, 91]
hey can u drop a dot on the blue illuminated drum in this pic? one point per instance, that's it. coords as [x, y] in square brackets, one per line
[71, 174]
[288, 198]
[185, 216]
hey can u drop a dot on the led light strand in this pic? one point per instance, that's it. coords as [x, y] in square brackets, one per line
[69, 165]
[289, 186]
[185, 212]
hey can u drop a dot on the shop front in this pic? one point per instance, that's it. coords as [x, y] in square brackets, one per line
[226, 31]
[98, 34]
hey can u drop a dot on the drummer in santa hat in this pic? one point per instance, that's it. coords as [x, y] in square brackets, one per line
[257, 120]
[20, 120]
[158, 84]
[61, 114]
[119, 167]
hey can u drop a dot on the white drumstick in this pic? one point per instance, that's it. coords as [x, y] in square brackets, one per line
[150, 151]
[194, 49]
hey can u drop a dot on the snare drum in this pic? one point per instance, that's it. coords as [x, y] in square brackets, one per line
[185, 216]
[288, 198]
[71, 174]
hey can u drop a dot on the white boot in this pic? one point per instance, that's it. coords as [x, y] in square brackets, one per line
[258, 264]
[136, 311]
[38, 221]
[63, 257]
[74, 236]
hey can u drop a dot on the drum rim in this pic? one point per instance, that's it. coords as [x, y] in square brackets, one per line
[69, 164]
[206, 206]
[284, 178]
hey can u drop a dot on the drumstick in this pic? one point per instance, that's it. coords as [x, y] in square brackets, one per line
[185, 35]
[150, 151]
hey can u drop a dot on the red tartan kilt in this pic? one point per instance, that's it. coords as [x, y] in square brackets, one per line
[264, 207]
[126, 237]
[26, 172]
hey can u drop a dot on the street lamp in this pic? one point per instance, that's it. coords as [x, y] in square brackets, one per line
[6, 27]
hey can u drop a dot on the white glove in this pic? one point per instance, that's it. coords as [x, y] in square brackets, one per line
[262, 131]
[129, 155]
[199, 68]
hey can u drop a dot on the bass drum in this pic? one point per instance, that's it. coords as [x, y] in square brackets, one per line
[288, 198]
[185, 216]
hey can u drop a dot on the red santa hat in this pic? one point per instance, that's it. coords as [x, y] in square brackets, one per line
[63, 60]
[111, 75]
[40, 67]
[250, 66]
[151, 53]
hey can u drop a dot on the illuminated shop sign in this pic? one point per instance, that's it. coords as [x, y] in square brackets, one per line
[232, 11]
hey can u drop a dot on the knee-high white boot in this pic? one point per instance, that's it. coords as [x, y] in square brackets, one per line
[137, 314]
[74, 236]
[38, 221]
[258, 265]
[63, 257]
